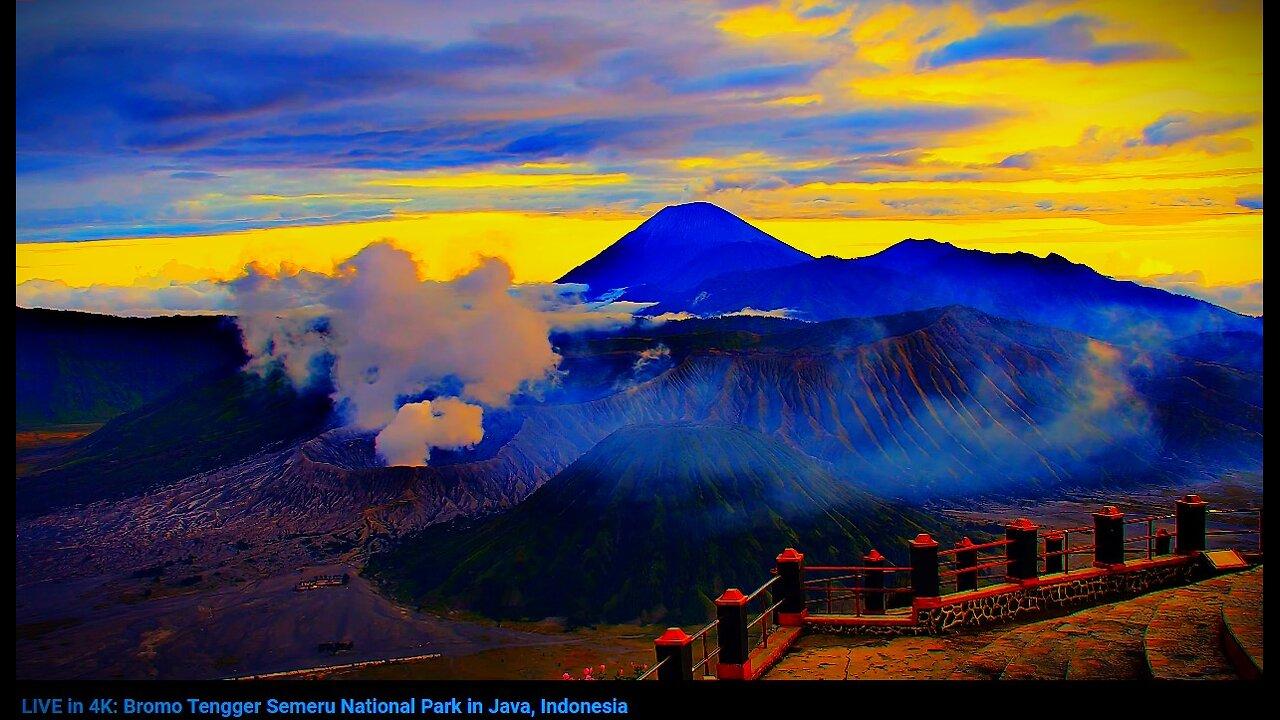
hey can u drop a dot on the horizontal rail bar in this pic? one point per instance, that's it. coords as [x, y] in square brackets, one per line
[705, 629]
[763, 587]
[1230, 532]
[975, 568]
[854, 568]
[1149, 518]
[766, 613]
[979, 546]
[653, 669]
[1240, 511]
[706, 658]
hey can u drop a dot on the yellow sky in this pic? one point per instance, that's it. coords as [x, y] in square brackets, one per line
[1096, 181]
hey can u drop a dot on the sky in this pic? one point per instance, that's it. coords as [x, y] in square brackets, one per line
[160, 145]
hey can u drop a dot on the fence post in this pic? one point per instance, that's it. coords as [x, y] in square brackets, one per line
[1108, 537]
[734, 661]
[1022, 535]
[966, 559]
[873, 580]
[924, 567]
[1053, 542]
[1164, 541]
[794, 608]
[676, 647]
[1190, 516]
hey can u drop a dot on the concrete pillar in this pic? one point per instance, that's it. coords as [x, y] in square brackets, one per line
[733, 662]
[873, 580]
[793, 610]
[1190, 516]
[1053, 543]
[924, 566]
[676, 647]
[966, 581]
[1108, 537]
[1023, 536]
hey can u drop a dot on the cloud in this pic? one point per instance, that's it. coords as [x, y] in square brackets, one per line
[446, 423]
[1253, 202]
[1068, 39]
[175, 298]
[1245, 297]
[753, 312]
[1178, 127]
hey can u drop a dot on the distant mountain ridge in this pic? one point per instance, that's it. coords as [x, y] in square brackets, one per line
[679, 247]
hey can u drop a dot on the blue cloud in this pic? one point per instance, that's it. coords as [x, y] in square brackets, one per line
[750, 78]
[1253, 202]
[1175, 127]
[1069, 39]
[1021, 161]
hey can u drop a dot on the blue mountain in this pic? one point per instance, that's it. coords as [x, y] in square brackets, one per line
[680, 247]
[919, 274]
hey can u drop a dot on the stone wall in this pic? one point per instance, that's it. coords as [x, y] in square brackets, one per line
[986, 608]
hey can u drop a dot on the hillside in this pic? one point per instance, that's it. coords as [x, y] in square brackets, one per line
[75, 367]
[650, 524]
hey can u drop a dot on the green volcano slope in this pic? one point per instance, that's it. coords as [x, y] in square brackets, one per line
[650, 525]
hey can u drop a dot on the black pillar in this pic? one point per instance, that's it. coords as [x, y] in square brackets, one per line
[873, 581]
[793, 610]
[1054, 560]
[924, 566]
[1022, 535]
[966, 559]
[1190, 515]
[731, 610]
[676, 647]
[1164, 542]
[1108, 537]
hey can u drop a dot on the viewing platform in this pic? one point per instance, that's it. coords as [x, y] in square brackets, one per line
[1148, 586]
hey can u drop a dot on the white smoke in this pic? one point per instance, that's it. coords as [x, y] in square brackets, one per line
[392, 337]
[446, 423]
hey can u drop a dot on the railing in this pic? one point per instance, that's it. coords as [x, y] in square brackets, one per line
[963, 568]
[766, 620]
[652, 672]
[844, 594]
[859, 598]
[704, 664]
[1231, 514]
[1151, 538]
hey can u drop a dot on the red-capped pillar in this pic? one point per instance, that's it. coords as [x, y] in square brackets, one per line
[873, 582]
[1164, 542]
[1054, 560]
[966, 579]
[1023, 536]
[1190, 515]
[924, 566]
[794, 609]
[675, 646]
[1108, 537]
[734, 660]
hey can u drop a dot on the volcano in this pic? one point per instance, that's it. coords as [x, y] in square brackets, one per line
[678, 248]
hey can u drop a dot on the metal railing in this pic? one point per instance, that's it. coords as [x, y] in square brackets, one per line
[766, 620]
[1231, 513]
[834, 596]
[704, 663]
[652, 672]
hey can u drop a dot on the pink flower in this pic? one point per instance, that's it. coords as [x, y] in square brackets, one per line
[566, 676]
